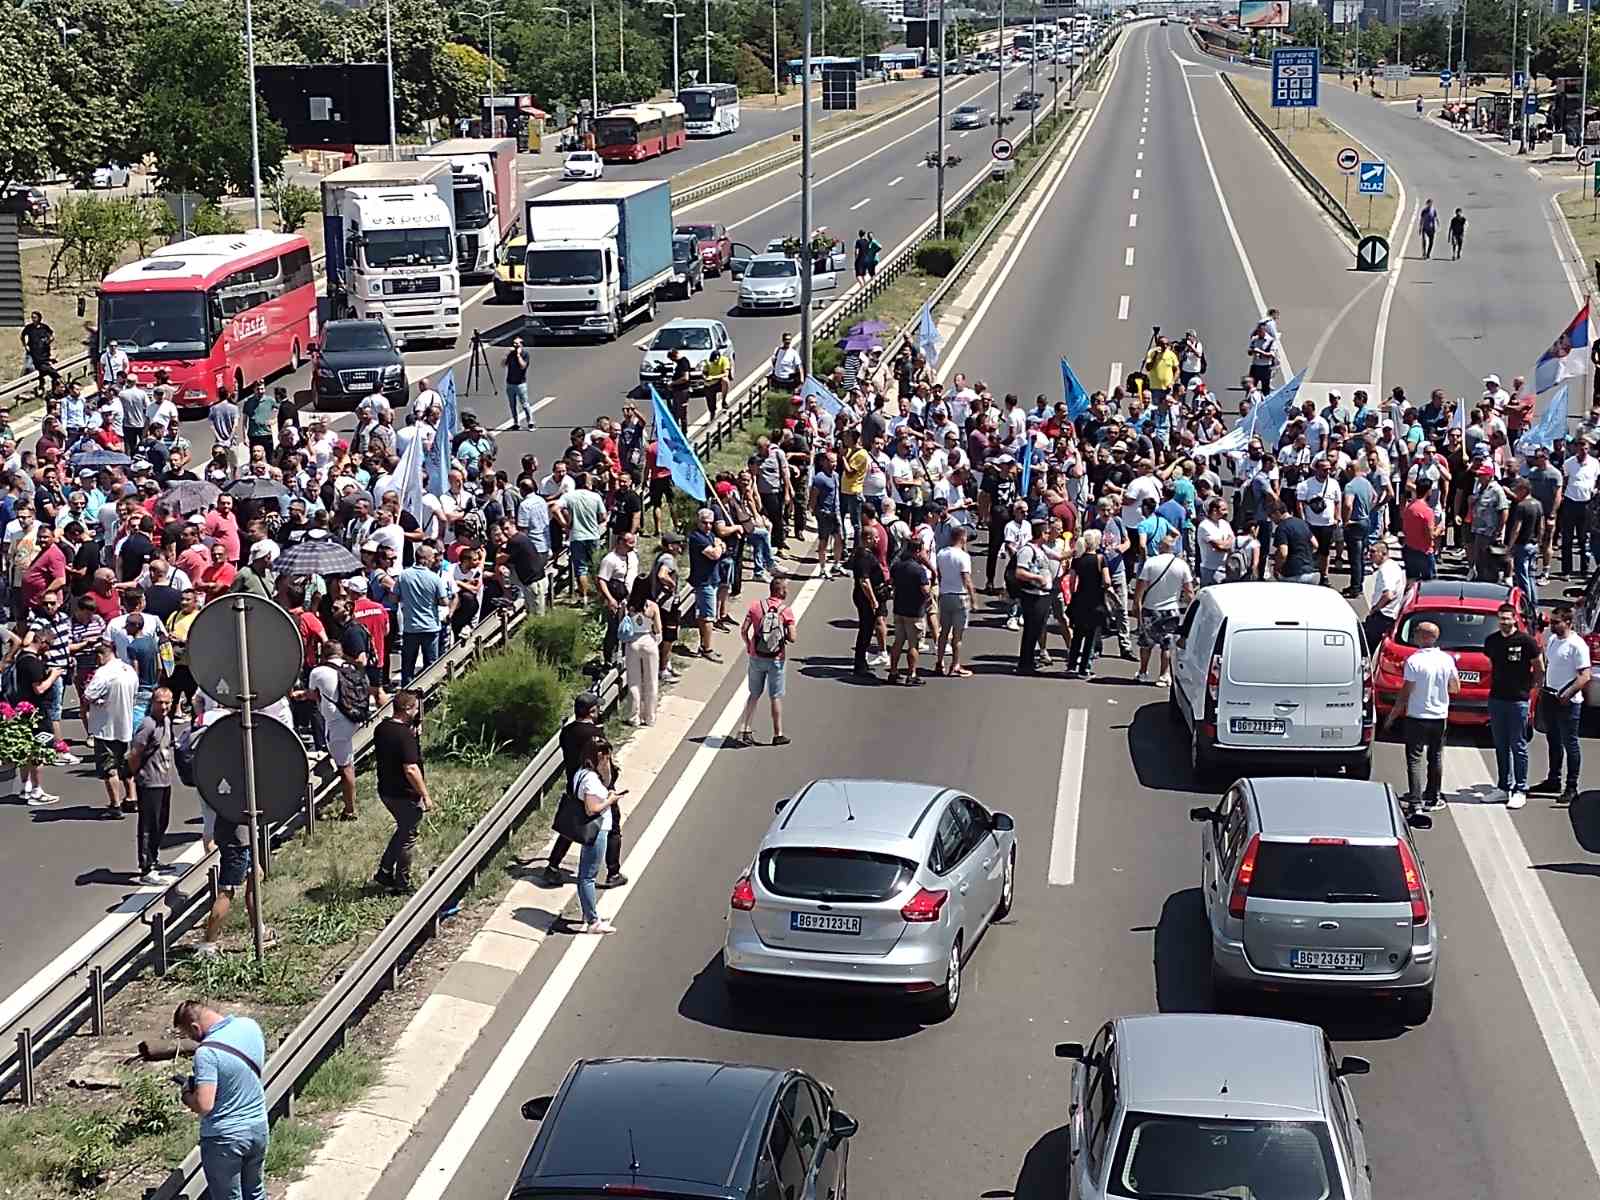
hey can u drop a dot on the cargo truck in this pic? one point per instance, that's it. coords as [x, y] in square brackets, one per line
[389, 229]
[488, 197]
[597, 254]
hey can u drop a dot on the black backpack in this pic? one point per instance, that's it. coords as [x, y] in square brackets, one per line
[354, 700]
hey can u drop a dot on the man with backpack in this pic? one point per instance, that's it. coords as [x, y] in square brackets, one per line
[768, 631]
[344, 701]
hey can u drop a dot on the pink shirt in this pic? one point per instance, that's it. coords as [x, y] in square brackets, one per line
[754, 618]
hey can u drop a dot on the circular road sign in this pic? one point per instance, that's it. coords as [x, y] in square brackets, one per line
[275, 650]
[1585, 156]
[1348, 159]
[1001, 149]
[281, 769]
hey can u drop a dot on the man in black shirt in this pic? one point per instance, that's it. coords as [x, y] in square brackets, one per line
[870, 586]
[1515, 661]
[1295, 551]
[517, 384]
[912, 586]
[137, 549]
[1524, 534]
[37, 339]
[575, 737]
[402, 788]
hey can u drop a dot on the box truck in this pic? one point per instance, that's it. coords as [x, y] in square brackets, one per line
[488, 197]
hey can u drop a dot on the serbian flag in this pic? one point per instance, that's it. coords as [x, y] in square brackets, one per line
[1567, 357]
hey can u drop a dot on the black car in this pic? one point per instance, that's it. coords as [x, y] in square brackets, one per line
[1026, 101]
[689, 1128]
[353, 359]
[688, 265]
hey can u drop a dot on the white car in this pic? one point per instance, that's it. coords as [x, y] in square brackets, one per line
[694, 338]
[111, 175]
[582, 164]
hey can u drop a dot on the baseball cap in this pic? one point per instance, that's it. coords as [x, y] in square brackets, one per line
[1485, 470]
[672, 538]
[260, 550]
[370, 546]
[356, 583]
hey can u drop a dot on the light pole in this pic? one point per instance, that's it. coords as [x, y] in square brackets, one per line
[388, 74]
[1033, 63]
[776, 89]
[938, 135]
[1511, 67]
[1527, 80]
[708, 40]
[1461, 59]
[1583, 91]
[594, 67]
[1000, 75]
[553, 9]
[255, 135]
[674, 16]
[805, 184]
[485, 11]
[622, 59]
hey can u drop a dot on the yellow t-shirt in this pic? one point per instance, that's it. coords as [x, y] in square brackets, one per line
[716, 366]
[1162, 367]
[854, 475]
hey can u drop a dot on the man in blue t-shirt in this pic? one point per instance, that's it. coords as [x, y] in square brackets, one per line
[705, 552]
[225, 1092]
[420, 592]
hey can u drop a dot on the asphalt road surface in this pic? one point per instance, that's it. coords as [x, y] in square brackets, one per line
[1495, 1096]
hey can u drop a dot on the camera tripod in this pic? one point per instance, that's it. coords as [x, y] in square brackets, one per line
[478, 367]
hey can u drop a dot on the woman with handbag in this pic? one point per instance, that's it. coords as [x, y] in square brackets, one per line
[585, 817]
[640, 634]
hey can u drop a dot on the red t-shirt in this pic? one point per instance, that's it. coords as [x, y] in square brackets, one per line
[215, 578]
[312, 634]
[45, 569]
[224, 530]
[1416, 522]
[107, 604]
[756, 616]
[375, 618]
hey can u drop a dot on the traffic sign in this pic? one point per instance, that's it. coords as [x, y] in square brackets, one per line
[1597, 179]
[275, 650]
[1347, 159]
[1516, 81]
[1001, 149]
[1531, 105]
[1296, 73]
[1396, 72]
[281, 769]
[1444, 78]
[1372, 254]
[1373, 178]
[1585, 156]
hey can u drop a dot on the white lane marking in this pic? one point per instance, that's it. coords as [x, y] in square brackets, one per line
[1558, 991]
[1380, 335]
[1227, 213]
[964, 132]
[1115, 377]
[488, 1097]
[1127, 257]
[896, 180]
[1133, 220]
[1135, 193]
[861, 203]
[1069, 791]
[1141, 156]
[1141, 141]
[1122, 308]
[1138, 172]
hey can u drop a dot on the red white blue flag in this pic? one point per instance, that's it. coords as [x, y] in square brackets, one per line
[1568, 355]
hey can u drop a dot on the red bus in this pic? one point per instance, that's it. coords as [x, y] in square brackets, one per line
[643, 131]
[223, 310]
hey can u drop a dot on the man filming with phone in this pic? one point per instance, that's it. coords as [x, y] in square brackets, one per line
[225, 1093]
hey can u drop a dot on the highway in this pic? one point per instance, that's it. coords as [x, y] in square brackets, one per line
[1495, 1096]
[79, 868]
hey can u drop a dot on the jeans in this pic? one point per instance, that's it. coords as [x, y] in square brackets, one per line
[772, 506]
[588, 868]
[850, 519]
[1355, 549]
[413, 642]
[233, 1165]
[1561, 735]
[1573, 519]
[396, 860]
[761, 550]
[558, 851]
[866, 627]
[1117, 602]
[1424, 750]
[1524, 558]
[1508, 726]
[517, 401]
[155, 814]
[1035, 612]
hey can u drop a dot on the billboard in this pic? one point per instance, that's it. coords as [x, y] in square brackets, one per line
[1263, 14]
[328, 105]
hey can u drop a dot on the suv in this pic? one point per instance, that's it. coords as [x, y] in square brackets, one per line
[871, 883]
[1314, 885]
[353, 359]
[716, 248]
[688, 267]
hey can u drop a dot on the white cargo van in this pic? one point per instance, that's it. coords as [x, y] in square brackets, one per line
[1273, 674]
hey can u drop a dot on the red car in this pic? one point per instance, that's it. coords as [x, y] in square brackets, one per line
[716, 248]
[1466, 613]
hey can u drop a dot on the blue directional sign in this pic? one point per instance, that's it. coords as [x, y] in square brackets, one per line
[1531, 106]
[1444, 78]
[1296, 72]
[1372, 178]
[1516, 81]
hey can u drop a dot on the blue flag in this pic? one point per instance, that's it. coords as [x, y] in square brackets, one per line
[438, 460]
[1552, 424]
[928, 339]
[1073, 392]
[1272, 414]
[826, 400]
[1027, 464]
[674, 452]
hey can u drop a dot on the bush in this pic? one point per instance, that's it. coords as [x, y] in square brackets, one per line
[780, 407]
[512, 696]
[938, 258]
[563, 637]
[293, 203]
[825, 356]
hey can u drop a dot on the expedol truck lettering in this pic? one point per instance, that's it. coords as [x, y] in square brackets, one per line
[597, 253]
[389, 229]
[488, 197]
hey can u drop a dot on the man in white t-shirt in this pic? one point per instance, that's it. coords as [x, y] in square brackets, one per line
[339, 730]
[614, 581]
[1160, 595]
[1216, 540]
[1320, 498]
[1582, 472]
[1567, 670]
[1385, 589]
[1424, 700]
[953, 566]
[1142, 487]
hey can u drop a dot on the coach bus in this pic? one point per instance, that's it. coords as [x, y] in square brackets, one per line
[710, 109]
[643, 131]
[221, 311]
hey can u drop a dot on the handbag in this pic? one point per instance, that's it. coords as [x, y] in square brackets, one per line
[573, 823]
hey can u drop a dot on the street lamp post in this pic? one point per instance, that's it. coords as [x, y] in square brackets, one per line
[594, 66]
[674, 16]
[255, 136]
[1527, 80]
[776, 89]
[1583, 90]
[388, 73]
[938, 134]
[1000, 75]
[485, 11]
[622, 58]
[1511, 67]
[551, 8]
[805, 185]
[708, 40]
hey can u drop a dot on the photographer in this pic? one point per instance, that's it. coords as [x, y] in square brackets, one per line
[225, 1093]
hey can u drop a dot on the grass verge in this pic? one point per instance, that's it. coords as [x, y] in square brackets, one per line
[1578, 207]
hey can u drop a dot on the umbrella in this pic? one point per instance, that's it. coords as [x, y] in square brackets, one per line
[254, 487]
[860, 343]
[871, 327]
[102, 458]
[317, 556]
[192, 495]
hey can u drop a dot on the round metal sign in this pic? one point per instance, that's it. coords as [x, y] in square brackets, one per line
[1585, 156]
[1348, 159]
[281, 769]
[273, 641]
[1001, 149]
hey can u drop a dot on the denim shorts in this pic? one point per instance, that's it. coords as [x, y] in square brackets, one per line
[766, 674]
[582, 553]
[705, 599]
[235, 866]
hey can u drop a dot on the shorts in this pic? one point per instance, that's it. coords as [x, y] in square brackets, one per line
[582, 554]
[1158, 630]
[660, 489]
[111, 756]
[907, 629]
[341, 747]
[953, 612]
[1322, 535]
[235, 867]
[52, 699]
[765, 673]
[705, 599]
[827, 525]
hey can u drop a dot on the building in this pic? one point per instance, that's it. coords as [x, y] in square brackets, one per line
[892, 11]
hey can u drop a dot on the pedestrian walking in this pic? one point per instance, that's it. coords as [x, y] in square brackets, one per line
[1567, 671]
[1458, 234]
[516, 364]
[1515, 661]
[1035, 573]
[1428, 219]
[402, 788]
[1162, 593]
[953, 565]
[871, 585]
[152, 763]
[768, 631]
[225, 1091]
[640, 631]
[1430, 680]
[586, 817]
[111, 693]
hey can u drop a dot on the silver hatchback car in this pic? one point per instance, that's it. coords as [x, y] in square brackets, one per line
[871, 883]
[1315, 885]
[1196, 1104]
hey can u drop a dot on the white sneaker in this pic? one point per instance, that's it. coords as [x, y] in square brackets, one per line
[150, 878]
[1517, 799]
[68, 759]
[878, 660]
[600, 926]
[1013, 623]
[1142, 677]
[41, 799]
[1163, 681]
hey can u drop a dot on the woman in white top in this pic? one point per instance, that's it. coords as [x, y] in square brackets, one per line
[640, 632]
[595, 796]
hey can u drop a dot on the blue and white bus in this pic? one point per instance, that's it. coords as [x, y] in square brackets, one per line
[710, 109]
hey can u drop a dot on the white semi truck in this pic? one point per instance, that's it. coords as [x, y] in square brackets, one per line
[488, 197]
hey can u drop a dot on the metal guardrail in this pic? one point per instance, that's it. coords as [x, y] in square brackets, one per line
[1307, 180]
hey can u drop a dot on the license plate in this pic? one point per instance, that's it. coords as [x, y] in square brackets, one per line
[1258, 725]
[823, 923]
[1470, 676]
[1326, 960]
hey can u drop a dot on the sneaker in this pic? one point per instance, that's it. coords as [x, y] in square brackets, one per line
[1434, 805]
[551, 877]
[208, 950]
[1142, 677]
[1516, 800]
[615, 879]
[149, 878]
[1546, 786]
[878, 660]
[1163, 681]
[671, 672]
[924, 646]
[1045, 660]
[43, 800]
[1568, 797]
[68, 760]
[600, 926]
[1014, 624]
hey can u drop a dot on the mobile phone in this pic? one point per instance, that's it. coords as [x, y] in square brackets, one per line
[181, 1080]
[623, 792]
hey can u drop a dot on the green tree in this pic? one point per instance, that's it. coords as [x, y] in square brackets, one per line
[1559, 50]
[292, 203]
[197, 107]
[25, 147]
